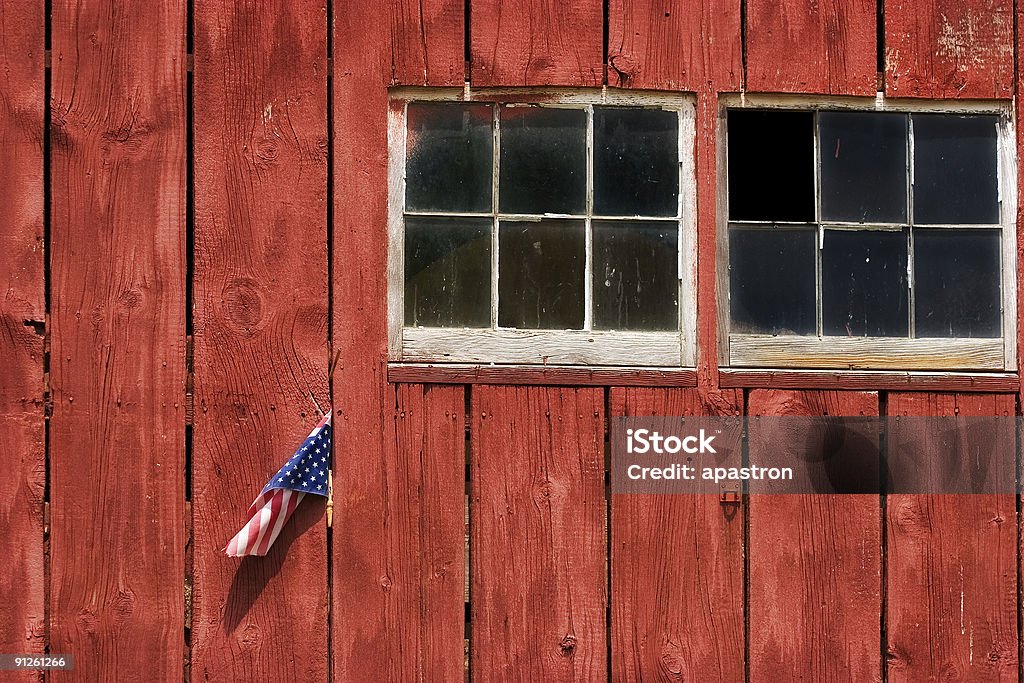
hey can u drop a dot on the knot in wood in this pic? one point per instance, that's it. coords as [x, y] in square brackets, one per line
[568, 645]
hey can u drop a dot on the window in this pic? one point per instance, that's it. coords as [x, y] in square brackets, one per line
[533, 227]
[876, 238]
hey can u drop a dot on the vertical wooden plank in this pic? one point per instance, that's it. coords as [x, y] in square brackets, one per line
[22, 313]
[260, 97]
[657, 44]
[429, 39]
[815, 565]
[536, 42]
[537, 517]
[949, 48]
[952, 569]
[425, 538]
[677, 565]
[826, 47]
[118, 371]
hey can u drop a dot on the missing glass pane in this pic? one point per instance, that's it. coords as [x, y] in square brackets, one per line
[636, 162]
[863, 167]
[771, 280]
[956, 283]
[864, 283]
[543, 160]
[449, 157]
[771, 165]
[955, 176]
[541, 274]
[447, 272]
[636, 284]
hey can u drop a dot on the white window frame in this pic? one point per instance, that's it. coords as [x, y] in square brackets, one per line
[548, 347]
[768, 351]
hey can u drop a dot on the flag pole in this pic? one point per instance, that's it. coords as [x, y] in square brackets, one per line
[330, 471]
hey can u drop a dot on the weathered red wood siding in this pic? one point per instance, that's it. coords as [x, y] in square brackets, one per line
[261, 333]
[118, 262]
[22, 318]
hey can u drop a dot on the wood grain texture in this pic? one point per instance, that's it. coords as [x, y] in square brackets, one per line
[825, 47]
[536, 42]
[117, 453]
[261, 356]
[869, 380]
[22, 314]
[424, 540]
[949, 48]
[677, 565]
[815, 565]
[710, 204]
[546, 375]
[538, 537]
[665, 45]
[952, 569]
[428, 36]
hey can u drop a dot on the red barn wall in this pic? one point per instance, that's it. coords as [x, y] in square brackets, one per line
[197, 207]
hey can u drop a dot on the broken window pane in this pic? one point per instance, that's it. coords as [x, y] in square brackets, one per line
[771, 165]
[771, 280]
[636, 162]
[956, 283]
[449, 158]
[955, 177]
[636, 282]
[448, 272]
[541, 274]
[543, 160]
[864, 283]
[863, 167]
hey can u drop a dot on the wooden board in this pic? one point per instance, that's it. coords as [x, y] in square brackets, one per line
[429, 37]
[821, 47]
[536, 42]
[949, 48]
[677, 565]
[538, 538]
[814, 582]
[261, 353]
[662, 45]
[117, 451]
[952, 569]
[22, 314]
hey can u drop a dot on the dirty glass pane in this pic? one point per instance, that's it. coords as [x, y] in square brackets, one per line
[448, 272]
[540, 274]
[864, 283]
[543, 160]
[449, 157]
[955, 169]
[636, 282]
[771, 165]
[771, 280]
[863, 166]
[956, 283]
[636, 162]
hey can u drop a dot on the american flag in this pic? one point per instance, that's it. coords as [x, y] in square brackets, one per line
[308, 471]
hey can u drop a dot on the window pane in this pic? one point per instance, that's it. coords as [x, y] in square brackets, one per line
[771, 280]
[864, 283]
[771, 165]
[543, 160]
[636, 285]
[957, 283]
[863, 166]
[541, 270]
[448, 272]
[636, 162]
[449, 157]
[955, 169]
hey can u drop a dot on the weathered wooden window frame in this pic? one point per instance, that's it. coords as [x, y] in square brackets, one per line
[545, 347]
[873, 353]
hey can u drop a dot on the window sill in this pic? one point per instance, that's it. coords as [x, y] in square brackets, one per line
[542, 375]
[870, 380]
